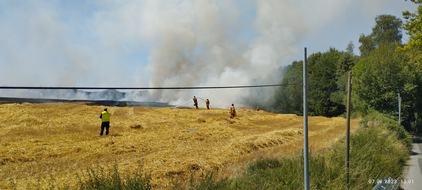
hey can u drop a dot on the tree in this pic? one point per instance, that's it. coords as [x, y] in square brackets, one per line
[290, 95]
[350, 48]
[387, 30]
[345, 64]
[367, 45]
[326, 84]
[379, 77]
[413, 51]
[413, 27]
[323, 83]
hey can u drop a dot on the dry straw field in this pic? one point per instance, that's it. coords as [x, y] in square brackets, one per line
[41, 142]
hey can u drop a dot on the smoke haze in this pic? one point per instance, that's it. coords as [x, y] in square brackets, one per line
[163, 43]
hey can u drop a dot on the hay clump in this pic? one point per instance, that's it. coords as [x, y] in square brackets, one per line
[138, 126]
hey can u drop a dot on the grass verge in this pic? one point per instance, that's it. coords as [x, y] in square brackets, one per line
[379, 149]
[110, 178]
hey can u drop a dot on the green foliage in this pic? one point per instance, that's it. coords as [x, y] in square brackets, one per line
[379, 155]
[346, 63]
[289, 97]
[367, 45]
[110, 179]
[327, 79]
[350, 48]
[381, 72]
[377, 151]
[413, 27]
[206, 181]
[379, 77]
[323, 83]
[413, 50]
[385, 121]
[387, 30]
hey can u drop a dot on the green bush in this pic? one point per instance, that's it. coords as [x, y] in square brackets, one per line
[207, 181]
[381, 119]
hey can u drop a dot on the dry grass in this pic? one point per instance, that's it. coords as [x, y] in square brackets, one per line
[43, 140]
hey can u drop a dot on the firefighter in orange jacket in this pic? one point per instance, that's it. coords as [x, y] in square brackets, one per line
[232, 111]
[105, 121]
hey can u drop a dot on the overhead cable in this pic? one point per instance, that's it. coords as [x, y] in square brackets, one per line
[140, 88]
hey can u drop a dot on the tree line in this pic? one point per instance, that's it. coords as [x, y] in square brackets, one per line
[385, 68]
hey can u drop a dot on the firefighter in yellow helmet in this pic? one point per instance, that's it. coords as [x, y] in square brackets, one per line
[105, 121]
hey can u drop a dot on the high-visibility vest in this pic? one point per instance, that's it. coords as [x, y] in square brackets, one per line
[105, 116]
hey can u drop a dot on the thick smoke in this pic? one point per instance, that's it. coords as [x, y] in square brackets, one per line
[162, 43]
[198, 47]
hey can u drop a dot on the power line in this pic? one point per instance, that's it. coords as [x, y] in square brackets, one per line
[140, 88]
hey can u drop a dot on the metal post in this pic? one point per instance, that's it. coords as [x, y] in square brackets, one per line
[399, 100]
[349, 90]
[305, 123]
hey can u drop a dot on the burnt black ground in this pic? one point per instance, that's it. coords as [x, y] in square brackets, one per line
[6, 100]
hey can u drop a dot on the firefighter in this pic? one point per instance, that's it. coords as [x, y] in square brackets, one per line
[195, 102]
[232, 111]
[207, 102]
[105, 121]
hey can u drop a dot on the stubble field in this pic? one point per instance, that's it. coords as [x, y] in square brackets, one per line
[57, 141]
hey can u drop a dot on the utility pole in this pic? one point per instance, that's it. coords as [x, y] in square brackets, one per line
[349, 90]
[399, 100]
[305, 123]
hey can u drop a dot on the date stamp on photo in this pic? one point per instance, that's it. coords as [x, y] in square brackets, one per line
[391, 181]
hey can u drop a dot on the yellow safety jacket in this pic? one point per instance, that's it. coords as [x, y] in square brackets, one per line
[105, 116]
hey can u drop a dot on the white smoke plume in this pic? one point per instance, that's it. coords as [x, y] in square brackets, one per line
[197, 46]
[162, 43]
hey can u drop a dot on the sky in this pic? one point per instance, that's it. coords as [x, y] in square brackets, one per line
[141, 43]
